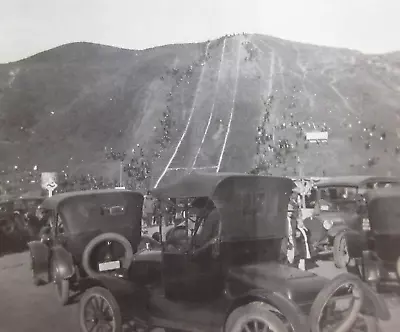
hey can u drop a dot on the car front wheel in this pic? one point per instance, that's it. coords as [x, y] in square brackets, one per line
[99, 311]
[340, 254]
[62, 290]
[36, 280]
[61, 285]
[329, 313]
[254, 317]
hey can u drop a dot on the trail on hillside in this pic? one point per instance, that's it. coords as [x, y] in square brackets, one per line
[212, 107]
[183, 156]
[213, 149]
[232, 109]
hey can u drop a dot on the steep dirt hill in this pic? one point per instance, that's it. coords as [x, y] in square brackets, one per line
[233, 104]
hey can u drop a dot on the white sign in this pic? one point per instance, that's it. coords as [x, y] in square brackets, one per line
[107, 266]
[317, 136]
[49, 182]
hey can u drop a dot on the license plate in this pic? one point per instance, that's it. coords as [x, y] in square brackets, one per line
[107, 266]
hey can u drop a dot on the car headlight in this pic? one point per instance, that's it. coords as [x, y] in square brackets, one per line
[328, 224]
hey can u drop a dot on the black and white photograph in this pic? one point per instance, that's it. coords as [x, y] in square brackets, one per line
[199, 166]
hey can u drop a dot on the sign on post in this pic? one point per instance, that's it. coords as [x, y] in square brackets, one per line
[49, 182]
[317, 136]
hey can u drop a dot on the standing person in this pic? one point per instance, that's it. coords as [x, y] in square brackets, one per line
[298, 251]
[289, 245]
[302, 244]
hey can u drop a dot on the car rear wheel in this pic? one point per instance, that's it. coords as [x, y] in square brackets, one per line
[254, 317]
[36, 280]
[62, 290]
[99, 311]
[340, 254]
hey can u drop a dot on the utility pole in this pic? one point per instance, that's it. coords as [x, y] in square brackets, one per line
[120, 174]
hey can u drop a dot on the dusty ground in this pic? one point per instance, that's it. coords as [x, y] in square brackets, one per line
[26, 308]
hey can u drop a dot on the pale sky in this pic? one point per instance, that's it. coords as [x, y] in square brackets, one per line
[31, 26]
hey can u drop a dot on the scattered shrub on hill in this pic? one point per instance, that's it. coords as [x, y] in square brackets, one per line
[252, 52]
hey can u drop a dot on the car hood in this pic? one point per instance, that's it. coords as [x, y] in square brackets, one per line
[151, 256]
[300, 286]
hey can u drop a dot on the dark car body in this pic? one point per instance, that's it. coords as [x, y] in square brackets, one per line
[196, 289]
[25, 208]
[6, 214]
[28, 204]
[76, 219]
[9, 240]
[334, 214]
[377, 252]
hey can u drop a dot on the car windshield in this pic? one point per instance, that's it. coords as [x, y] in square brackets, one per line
[207, 228]
[338, 199]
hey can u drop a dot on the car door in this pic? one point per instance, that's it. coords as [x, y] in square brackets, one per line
[195, 272]
[192, 275]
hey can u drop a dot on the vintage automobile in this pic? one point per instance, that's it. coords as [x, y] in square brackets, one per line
[226, 276]
[7, 224]
[25, 208]
[88, 232]
[9, 240]
[375, 254]
[335, 212]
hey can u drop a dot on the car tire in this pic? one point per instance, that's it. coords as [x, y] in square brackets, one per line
[102, 238]
[94, 294]
[371, 323]
[36, 280]
[341, 257]
[62, 290]
[254, 311]
[326, 294]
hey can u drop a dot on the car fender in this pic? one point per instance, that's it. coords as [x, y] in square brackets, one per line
[286, 307]
[336, 229]
[120, 287]
[356, 243]
[62, 262]
[39, 257]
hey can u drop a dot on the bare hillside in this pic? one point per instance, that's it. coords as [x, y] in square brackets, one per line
[239, 103]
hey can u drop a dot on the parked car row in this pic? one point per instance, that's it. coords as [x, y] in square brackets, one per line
[374, 253]
[220, 269]
[19, 222]
[333, 207]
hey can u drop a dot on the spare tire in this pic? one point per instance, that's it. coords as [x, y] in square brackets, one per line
[114, 237]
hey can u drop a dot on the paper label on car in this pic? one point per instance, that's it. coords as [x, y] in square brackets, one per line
[108, 266]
